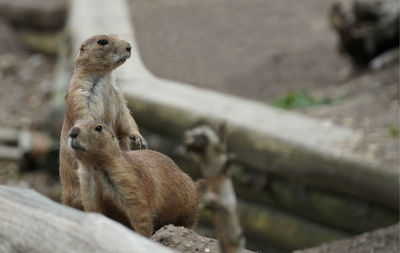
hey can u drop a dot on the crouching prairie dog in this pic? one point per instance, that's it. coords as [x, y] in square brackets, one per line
[143, 189]
[93, 95]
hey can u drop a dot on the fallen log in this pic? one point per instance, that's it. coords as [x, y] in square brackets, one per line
[30, 222]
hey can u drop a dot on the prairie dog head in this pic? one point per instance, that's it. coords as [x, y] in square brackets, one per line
[92, 141]
[208, 147]
[102, 53]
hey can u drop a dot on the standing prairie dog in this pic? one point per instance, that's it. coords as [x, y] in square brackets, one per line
[93, 95]
[144, 189]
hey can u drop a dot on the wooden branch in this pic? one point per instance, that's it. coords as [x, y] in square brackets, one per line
[14, 143]
[22, 145]
[8, 135]
[30, 222]
[220, 198]
[220, 195]
[10, 153]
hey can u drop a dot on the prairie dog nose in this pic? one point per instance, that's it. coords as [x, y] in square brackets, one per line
[128, 47]
[74, 132]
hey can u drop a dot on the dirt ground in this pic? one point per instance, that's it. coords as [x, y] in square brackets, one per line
[263, 50]
[184, 240]
[255, 49]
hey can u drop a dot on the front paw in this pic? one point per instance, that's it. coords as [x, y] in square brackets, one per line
[139, 140]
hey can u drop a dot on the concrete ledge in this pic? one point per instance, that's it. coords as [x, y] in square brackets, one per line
[263, 137]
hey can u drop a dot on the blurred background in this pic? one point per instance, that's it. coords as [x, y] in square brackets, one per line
[333, 61]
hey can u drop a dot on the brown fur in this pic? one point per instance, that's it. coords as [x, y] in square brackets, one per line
[93, 95]
[144, 189]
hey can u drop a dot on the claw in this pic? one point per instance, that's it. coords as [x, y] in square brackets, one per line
[139, 141]
[143, 143]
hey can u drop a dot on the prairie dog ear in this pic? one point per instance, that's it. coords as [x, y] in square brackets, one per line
[81, 50]
[77, 55]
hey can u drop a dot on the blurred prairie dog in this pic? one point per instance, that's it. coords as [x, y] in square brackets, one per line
[93, 95]
[144, 189]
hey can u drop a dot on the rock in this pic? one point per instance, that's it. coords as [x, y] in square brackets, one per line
[185, 240]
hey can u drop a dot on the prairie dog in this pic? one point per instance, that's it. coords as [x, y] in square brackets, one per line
[144, 189]
[93, 95]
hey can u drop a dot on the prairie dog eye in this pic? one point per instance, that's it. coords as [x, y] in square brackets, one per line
[102, 42]
[98, 128]
[82, 49]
